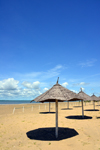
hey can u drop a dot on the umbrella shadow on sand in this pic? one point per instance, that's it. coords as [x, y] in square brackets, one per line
[77, 106]
[47, 112]
[91, 110]
[48, 134]
[79, 117]
[98, 117]
[66, 108]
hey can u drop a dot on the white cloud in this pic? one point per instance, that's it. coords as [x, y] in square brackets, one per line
[45, 89]
[19, 94]
[9, 89]
[52, 72]
[9, 84]
[64, 84]
[30, 93]
[81, 83]
[57, 67]
[13, 89]
[34, 85]
[88, 63]
[74, 91]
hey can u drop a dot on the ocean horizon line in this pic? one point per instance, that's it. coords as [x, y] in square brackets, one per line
[15, 102]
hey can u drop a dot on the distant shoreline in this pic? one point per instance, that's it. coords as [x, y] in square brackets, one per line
[18, 102]
[10, 102]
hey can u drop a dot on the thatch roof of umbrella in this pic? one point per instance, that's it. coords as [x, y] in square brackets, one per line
[55, 94]
[84, 96]
[95, 98]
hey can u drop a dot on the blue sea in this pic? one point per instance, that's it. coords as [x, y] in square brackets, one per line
[15, 102]
[4, 102]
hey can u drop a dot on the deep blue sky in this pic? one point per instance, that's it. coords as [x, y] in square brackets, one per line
[41, 40]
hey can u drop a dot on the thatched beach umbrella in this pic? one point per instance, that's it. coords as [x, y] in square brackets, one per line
[94, 99]
[99, 100]
[56, 94]
[85, 98]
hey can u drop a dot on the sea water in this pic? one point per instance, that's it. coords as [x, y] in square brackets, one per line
[3, 102]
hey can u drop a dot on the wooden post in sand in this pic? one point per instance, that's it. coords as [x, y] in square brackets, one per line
[82, 109]
[49, 106]
[13, 110]
[98, 104]
[45, 106]
[32, 108]
[23, 109]
[56, 131]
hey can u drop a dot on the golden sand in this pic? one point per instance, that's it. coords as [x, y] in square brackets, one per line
[17, 127]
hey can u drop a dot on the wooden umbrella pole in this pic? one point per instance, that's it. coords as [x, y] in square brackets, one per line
[94, 104]
[68, 104]
[98, 104]
[49, 106]
[82, 109]
[56, 131]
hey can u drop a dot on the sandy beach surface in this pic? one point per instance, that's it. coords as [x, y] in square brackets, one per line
[32, 127]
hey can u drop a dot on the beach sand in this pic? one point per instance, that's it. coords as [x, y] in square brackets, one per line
[29, 127]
